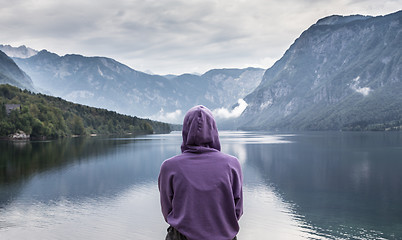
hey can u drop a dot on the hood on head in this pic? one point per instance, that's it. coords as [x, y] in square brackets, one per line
[199, 130]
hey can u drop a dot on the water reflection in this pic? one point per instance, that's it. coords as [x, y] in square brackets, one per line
[130, 215]
[77, 168]
[297, 186]
[19, 160]
[342, 185]
[267, 215]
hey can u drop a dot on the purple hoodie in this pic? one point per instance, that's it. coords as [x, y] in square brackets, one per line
[201, 189]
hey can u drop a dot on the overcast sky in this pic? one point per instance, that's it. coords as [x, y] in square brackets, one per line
[173, 36]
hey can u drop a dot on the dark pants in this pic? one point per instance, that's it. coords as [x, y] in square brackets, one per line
[173, 234]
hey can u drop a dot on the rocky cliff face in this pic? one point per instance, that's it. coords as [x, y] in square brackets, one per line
[11, 74]
[218, 87]
[340, 72]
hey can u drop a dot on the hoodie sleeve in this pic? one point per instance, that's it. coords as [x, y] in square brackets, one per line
[165, 186]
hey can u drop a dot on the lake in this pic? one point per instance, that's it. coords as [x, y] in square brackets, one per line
[314, 185]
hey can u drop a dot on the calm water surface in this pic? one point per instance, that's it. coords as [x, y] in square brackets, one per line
[321, 185]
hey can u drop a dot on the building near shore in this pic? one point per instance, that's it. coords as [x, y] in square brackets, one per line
[12, 107]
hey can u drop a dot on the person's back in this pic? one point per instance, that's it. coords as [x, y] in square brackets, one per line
[201, 189]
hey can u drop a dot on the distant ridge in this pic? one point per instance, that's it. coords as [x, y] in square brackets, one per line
[20, 52]
[338, 19]
[105, 83]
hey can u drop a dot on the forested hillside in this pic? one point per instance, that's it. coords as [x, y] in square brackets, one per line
[45, 116]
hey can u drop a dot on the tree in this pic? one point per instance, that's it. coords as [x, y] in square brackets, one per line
[77, 126]
[38, 128]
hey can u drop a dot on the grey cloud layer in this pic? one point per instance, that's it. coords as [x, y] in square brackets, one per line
[172, 35]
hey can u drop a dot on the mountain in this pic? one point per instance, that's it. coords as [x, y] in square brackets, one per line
[97, 81]
[106, 83]
[20, 52]
[218, 87]
[341, 73]
[10, 73]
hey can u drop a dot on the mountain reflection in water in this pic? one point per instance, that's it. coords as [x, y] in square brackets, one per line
[320, 185]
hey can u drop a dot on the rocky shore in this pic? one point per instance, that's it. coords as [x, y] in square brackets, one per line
[19, 135]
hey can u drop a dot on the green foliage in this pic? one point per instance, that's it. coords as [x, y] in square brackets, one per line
[77, 126]
[46, 116]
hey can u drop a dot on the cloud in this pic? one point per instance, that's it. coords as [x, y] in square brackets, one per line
[173, 36]
[364, 91]
[169, 117]
[355, 87]
[223, 113]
